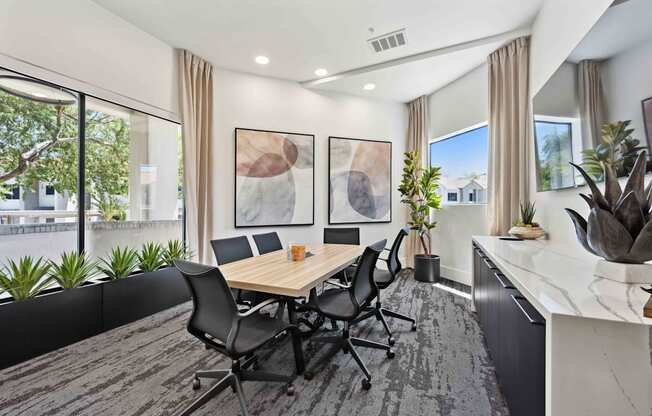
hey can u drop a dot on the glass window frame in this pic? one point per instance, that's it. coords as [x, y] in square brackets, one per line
[81, 149]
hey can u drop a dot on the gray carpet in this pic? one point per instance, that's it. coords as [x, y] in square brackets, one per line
[145, 368]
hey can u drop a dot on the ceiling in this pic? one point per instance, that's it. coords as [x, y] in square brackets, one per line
[622, 27]
[300, 36]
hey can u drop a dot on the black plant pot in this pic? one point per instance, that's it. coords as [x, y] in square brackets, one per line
[50, 321]
[426, 268]
[131, 298]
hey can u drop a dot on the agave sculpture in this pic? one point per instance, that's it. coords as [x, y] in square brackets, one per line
[619, 226]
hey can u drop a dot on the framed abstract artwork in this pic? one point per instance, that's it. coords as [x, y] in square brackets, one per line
[274, 178]
[647, 122]
[360, 181]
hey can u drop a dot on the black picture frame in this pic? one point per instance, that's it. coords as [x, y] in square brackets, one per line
[648, 129]
[391, 190]
[235, 179]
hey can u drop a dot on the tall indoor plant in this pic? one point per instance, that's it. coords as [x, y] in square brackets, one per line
[419, 192]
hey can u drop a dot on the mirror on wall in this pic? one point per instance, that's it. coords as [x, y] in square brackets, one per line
[597, 107]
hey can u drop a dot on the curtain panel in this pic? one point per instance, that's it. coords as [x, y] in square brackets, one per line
[417, 139]
[196, 104]
[509, 133]
[591, 98]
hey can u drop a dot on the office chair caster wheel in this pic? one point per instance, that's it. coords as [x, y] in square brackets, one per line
[390, 353]
[308, 375]
[196, 384]
[391, 341]
[414, 326]
[289, 390]
[366, 384]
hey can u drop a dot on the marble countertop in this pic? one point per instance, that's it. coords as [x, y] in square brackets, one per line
[559, 284]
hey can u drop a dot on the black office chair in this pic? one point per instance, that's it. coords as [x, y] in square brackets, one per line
[342, 236]
[216, 322]
[228, 250]
[345, 304]
[267, 243]
[383, 279]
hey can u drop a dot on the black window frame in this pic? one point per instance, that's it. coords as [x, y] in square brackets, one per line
[81, 149]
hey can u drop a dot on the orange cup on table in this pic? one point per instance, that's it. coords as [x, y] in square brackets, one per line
[298, 252]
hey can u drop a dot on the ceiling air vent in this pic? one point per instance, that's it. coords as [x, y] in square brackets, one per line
[388, 41]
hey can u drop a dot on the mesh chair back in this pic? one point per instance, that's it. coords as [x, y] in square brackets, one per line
[228, 250]
[213, 305]
[364, 286]
[268, 242]
[342, 236]
[394, 263]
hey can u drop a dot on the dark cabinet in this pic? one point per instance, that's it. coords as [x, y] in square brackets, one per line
[515, 335]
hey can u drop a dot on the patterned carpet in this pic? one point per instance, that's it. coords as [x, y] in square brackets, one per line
[145, 368]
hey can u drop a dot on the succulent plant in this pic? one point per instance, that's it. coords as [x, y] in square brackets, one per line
[619, 226]
[175, 250]
[150, 257]
[120, 263]
[73, 270]
[527, 215]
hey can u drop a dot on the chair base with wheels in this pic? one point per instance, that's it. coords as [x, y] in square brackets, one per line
[233, 377]
[346, 343]
[381, 314]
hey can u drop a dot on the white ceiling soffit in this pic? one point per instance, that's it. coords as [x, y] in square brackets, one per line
[621, 27]
[300, 36]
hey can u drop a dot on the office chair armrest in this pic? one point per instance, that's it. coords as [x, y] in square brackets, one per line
[260, 306]
[338, 284]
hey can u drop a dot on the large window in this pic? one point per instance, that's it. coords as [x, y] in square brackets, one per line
[554, 151]
[462, 157]
[132, 187]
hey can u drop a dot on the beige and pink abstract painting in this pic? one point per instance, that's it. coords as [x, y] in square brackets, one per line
[274, 178]
[360, 181]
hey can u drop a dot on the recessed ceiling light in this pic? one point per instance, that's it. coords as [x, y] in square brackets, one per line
[263, 60]
[321, 72]
[369, 86]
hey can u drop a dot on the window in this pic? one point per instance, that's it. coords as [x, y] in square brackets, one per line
[462, 157]
[554, 147]
[132, 190]
[133, 178]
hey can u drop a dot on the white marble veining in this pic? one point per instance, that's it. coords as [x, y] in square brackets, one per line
[557, 284]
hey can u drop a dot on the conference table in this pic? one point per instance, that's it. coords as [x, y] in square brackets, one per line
[274, 273]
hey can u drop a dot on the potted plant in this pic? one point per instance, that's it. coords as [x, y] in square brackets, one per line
[618, 150]
[619, 225]
[37, 318]
[419, 192]
[141, 283]
[525, 227]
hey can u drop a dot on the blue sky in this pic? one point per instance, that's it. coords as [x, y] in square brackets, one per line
[461, 154]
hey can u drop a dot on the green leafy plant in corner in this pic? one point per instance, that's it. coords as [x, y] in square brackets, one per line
[73, 270]
[120, 263]
[150, 257]
[175, 250]
[419, 191]
[618, 151]
[25, 278]
[527, 215]
[110, 208]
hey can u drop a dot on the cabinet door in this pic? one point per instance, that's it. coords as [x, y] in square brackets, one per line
[526, 391]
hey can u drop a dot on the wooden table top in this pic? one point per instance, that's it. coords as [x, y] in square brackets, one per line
[274, 273]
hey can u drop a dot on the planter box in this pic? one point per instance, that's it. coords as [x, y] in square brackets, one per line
[135, 297]
[50, 321]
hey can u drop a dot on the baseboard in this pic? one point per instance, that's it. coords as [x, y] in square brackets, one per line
[458, 275]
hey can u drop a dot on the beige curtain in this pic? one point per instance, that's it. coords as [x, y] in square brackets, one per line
[417, 139]
[196, 103]
[509, 133]
[591, 98]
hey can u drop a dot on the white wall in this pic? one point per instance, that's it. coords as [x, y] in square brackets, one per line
[559, 97]
[250, 101]
[460, 104]
[627, 81]
[80, 45]
[558, 28]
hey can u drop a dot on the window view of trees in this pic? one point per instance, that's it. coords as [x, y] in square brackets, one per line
[554, 146]
[132, 190]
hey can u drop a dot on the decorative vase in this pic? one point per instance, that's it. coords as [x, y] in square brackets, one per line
[427, 268]
[527, 233]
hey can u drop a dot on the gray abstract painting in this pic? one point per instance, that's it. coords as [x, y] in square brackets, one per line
[274, 178]
[360, 181]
